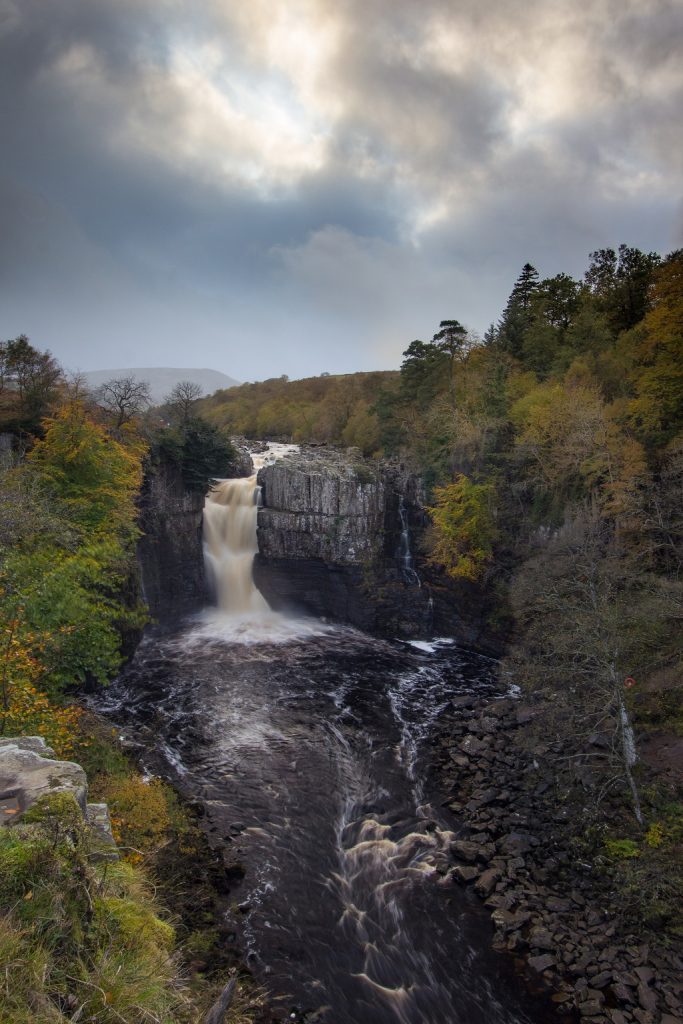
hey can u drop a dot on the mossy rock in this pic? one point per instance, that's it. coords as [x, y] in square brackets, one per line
[60, 808]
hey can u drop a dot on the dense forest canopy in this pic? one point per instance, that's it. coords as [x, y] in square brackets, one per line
[334, 409]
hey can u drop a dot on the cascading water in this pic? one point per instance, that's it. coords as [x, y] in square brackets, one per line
[242, 613]
[405, 555]
[230, 517]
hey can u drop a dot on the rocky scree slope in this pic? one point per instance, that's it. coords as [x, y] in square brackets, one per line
[551, 907]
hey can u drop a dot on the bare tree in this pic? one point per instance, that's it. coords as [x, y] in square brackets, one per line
[592, 618]
[124, 398]
[183, 397]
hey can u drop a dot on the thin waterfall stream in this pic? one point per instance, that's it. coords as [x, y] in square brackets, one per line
[308, 746]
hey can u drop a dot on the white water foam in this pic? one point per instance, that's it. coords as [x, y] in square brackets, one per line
[431, 646]
[266, 628]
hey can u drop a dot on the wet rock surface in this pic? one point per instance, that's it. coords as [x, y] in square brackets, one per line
[513, 849]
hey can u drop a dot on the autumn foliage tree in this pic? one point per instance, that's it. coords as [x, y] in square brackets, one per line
[67, 549]
[463, 528]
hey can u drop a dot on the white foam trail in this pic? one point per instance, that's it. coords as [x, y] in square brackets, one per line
[430, 646]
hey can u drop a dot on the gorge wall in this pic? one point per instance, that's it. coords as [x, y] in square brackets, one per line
[170, 548]
[339, 537]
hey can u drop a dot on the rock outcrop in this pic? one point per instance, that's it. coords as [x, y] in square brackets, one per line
[30, 775]
[326, 507]
[170, 549]
[28, 771]
[329, 535]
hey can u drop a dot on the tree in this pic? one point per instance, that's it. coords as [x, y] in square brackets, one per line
[124, 398]
[183, 398]
[560, 429]
[24, 708]
[621, 282]
[29, 384]
[516, 317]
[452, 340]
[463, 528]
[588, 617]
[199, 450]
[422, 372]
[657, 377]
[93, 475]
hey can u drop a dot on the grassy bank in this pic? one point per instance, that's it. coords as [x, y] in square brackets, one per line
[82, 938]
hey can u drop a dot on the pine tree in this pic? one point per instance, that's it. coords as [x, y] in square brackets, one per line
[516, 317]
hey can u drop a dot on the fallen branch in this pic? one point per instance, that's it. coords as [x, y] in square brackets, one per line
[216, 1014]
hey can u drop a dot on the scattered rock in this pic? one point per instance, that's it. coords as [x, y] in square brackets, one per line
[647, 998]
[540, 938]
[465, 874]
[544, 901]
[487, 881]
[515, 844]
[465, 850]
[591, 1008]
[541, 963]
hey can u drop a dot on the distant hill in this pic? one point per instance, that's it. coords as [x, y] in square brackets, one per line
[163, 379]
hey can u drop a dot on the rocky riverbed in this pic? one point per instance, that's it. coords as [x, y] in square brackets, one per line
[515, 851]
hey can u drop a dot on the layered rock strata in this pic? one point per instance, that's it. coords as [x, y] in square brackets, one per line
[328, 536]
[170, 554]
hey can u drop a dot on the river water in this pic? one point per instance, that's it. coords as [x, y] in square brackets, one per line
[309, 747]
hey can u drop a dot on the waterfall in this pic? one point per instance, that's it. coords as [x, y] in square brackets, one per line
[230, 540]
[404, 554]
[230, 544]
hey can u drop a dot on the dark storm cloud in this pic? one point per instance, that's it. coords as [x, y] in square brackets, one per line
[297, 185]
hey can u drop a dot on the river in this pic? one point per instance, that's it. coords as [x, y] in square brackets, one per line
[308, 746]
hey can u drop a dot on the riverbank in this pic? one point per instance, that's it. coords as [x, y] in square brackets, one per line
[573, 895]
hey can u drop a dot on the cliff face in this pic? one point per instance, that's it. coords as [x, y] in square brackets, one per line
[337, 537]
[170, 549]
[330, 509]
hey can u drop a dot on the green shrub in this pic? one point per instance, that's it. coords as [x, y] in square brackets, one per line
[621, 849]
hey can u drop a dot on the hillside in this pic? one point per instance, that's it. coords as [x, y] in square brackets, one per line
[337, 409]
[163, 379]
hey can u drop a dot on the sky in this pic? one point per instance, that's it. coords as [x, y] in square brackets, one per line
[270, 187]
